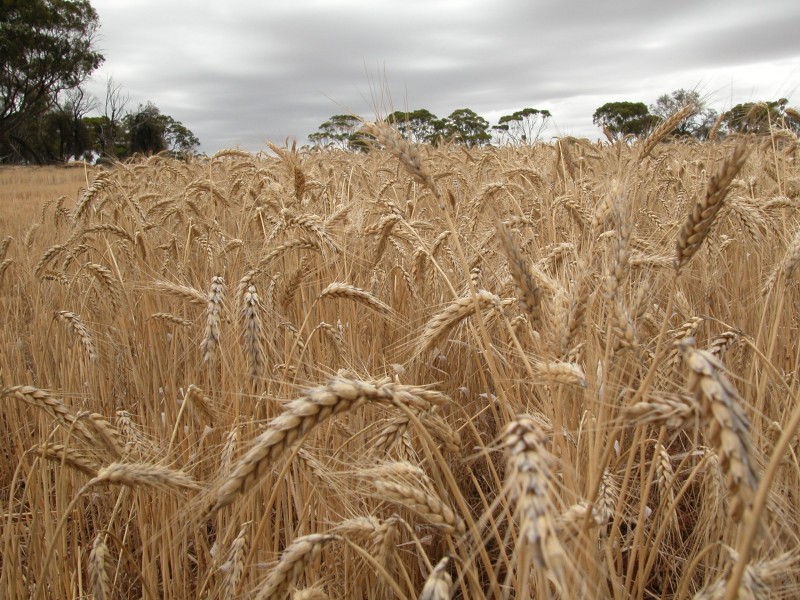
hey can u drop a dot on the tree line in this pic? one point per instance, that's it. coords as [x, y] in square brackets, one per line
[618, 120]
[47, 53]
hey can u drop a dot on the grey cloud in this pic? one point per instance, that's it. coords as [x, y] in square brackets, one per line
[248, 72]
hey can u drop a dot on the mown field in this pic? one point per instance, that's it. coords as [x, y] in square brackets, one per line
[560, 371]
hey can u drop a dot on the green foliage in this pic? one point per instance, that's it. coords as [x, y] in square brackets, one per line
[523, 126]
[759, 117]
[46, 47]
[466, 127]
[624, 118]
[698, 125]
[420, 126]
[336, 132]
[147, 131]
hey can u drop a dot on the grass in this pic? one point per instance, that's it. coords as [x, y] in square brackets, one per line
[560, 371]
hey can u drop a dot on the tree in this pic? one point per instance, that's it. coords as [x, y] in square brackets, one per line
[146, 131]
[624, 118]
[420, 126]
[110, 127]
[698, 125]
[46, 47]
[523, 126]
[466, 127]
[336, 132]
[150, 131]
[177, 137]
[756, 117]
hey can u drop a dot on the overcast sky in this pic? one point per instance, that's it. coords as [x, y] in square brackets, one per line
[239, 73]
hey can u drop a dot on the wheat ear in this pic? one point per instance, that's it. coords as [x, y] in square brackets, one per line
[210, 342]
[301, 552]
[454, 313]
[529, 294]
[698, 224]
[143, 475]
[528, 474]
[345, 290]
[100, 569]
[303, 414]
[727, 427]
[439, 585]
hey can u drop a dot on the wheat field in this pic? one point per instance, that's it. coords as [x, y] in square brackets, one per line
[561, 371]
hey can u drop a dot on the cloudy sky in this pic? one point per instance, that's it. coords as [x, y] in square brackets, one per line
[240, 73]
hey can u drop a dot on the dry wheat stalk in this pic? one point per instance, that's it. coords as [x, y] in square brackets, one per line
[200, 402]
[439, 584]
[102, 228]
[133, 437]
[293, 561]
[303, 414]
[787, 266]
[47, 257]
[720, 344]
[345, 290]
[210, 343]
[698, 224]
[100, 569]
[727, 427]
[528, 474]
[312, 224]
